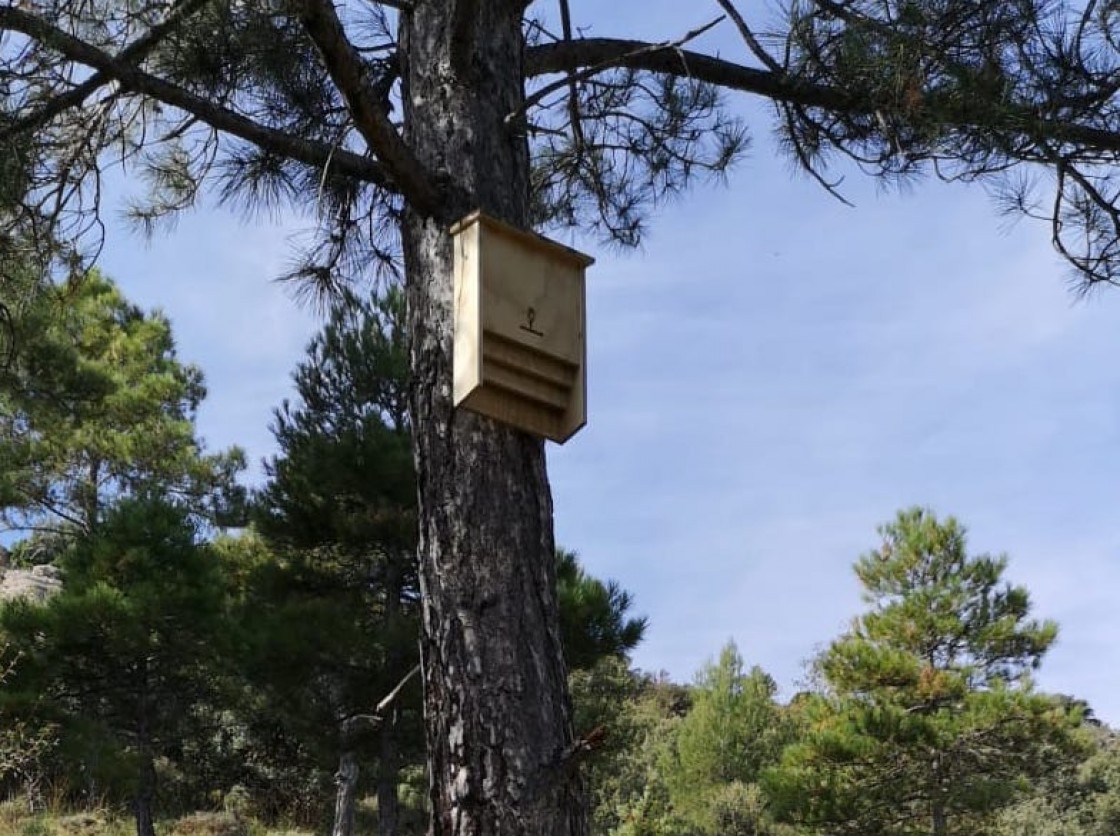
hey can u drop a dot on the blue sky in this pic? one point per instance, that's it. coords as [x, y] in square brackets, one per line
[771, 376]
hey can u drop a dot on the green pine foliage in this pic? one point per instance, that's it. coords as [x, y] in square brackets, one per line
[634, 719]
[734, 730]
[594, 616]
[681, 760]
[103, 474]
[345, 473]
[95, 405]
[122, 656]
[1085, 802]
[928, 722]
[330, 619]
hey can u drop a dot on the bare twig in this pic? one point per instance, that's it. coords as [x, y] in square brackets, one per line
[573, 84]
[805, 159]
[392, 695]
[351, 723]
[563, 767]
[755, 47]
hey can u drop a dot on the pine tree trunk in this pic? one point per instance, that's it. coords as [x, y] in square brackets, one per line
[388, 760]
[940, 822]
[388, 806]
[496, 705]
[144, 799]
[345, 796]
[145, 795]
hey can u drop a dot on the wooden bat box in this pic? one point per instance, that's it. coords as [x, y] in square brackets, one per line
[520, 340]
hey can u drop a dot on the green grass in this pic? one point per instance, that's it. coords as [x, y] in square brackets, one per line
[15, 820]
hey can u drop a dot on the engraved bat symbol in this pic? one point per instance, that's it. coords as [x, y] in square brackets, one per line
[530, 318]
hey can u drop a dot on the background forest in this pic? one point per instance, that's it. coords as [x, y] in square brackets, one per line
[201, 658]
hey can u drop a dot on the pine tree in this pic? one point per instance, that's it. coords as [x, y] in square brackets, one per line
[95, 405]
[929, 722]
[133, 642]
[594, 616]
[734, 729]
[390, 122]
[102, 471]
[335, 617]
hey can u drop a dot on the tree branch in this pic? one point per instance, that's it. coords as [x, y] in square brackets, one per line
[391, 697]
[749, 37]
[596, 67]
[134, 80]
[351, 724]
[573, 84]
[608, 53]
[348, 72]
[131, 54]
[602, 54]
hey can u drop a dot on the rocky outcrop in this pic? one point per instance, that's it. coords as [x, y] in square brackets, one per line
[37, 584]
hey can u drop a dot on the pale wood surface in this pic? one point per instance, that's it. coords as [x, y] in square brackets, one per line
[520, 339]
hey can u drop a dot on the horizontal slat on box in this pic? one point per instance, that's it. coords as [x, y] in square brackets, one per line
[546, 368]
[520, 412]
[535, 389]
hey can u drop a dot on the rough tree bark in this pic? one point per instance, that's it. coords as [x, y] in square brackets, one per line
[388, 756]
[144, 798]
[388, 775]
[937, 800]
[346, 780]
[496, 705]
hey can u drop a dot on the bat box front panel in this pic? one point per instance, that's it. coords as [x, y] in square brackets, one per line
[520, 342]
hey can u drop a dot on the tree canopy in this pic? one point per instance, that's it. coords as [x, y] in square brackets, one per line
[96, 405]
[117, 656]
[294, 102]
[928, 721]
[387, 122]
